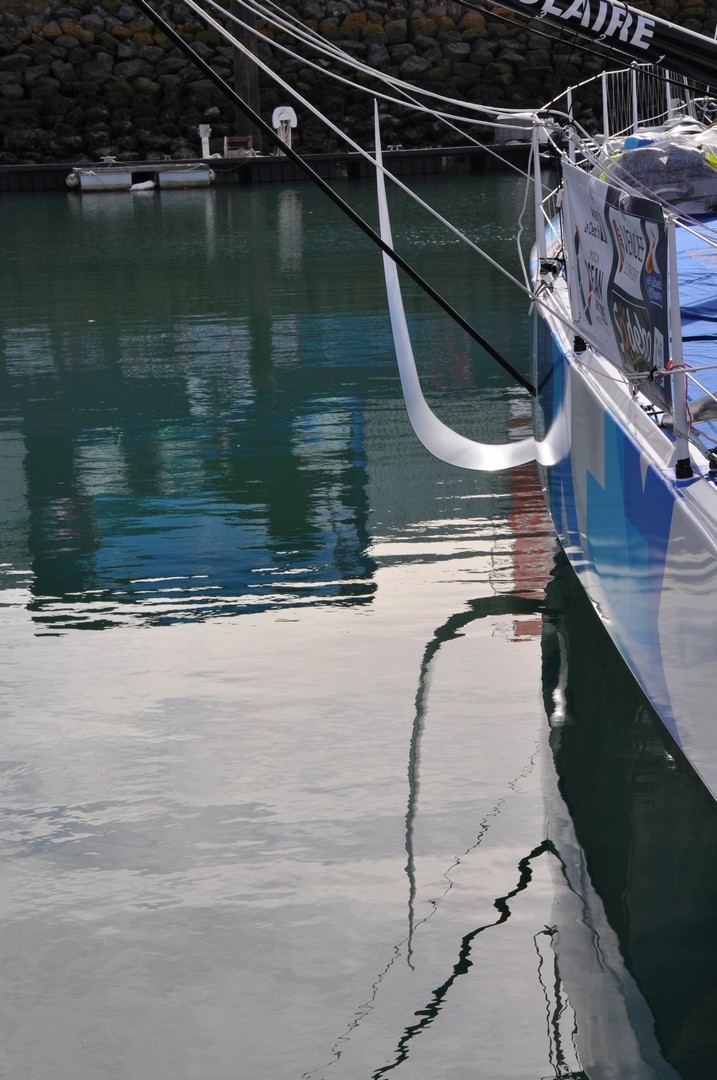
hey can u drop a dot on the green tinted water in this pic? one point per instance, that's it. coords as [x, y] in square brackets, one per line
[278, 741]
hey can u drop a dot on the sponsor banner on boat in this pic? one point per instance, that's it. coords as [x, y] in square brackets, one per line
[616, 253]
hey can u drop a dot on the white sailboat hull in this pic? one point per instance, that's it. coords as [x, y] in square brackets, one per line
[643, 543]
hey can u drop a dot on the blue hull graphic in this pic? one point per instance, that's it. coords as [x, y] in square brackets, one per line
[640, 543]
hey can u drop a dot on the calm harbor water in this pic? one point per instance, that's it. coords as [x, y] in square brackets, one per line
[316, 762]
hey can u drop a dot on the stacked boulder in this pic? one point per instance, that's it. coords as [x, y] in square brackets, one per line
[80, 83]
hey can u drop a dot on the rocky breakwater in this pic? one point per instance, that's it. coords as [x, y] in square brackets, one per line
[79, 83]
[80, 86]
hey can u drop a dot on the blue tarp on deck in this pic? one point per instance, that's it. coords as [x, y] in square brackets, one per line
[697, 262]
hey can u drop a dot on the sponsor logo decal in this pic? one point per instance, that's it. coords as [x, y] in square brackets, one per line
[651, 272]
[634, 333]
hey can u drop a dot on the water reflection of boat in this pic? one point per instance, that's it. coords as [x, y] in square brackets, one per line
[647, 826]
[599, 1023]
[547, 918]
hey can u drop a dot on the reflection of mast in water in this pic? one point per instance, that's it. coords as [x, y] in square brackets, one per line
[594, 1011]
[485, 607]
[531, 566]
[530, 581]
[563, 1053]
[595, 1014]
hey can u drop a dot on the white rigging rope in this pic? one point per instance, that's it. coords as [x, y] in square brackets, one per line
[408, 100]
[326, 48]
[440, 440]
[407, 90]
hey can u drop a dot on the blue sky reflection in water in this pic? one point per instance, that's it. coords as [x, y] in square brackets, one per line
[293, 811]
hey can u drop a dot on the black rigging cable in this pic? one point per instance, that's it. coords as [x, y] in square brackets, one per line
[299, 161]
